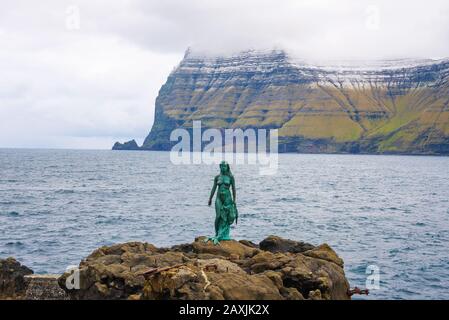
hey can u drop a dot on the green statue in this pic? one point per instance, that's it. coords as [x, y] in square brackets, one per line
[225, 206]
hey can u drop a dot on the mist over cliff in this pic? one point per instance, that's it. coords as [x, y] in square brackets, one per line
[389, 106]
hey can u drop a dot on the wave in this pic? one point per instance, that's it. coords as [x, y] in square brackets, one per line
[12, 214]
[15, 244]
[12, 202]
[65, 191]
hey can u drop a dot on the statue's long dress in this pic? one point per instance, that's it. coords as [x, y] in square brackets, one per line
[225, 209]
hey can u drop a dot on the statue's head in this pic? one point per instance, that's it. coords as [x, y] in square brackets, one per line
[224, 168]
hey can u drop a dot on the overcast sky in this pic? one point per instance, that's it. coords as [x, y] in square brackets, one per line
[83, 74]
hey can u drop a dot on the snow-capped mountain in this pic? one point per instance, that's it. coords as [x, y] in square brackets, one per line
[390, 106]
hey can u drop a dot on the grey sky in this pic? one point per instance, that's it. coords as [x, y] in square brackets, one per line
[82, 74]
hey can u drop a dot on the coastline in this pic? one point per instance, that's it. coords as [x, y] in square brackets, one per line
[292, 153]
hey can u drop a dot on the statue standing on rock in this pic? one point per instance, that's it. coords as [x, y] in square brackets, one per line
[225, 206]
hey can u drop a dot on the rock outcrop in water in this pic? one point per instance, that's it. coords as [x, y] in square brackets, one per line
[12, 279]
[129, 145]
[396, 106]
[275, 269]
[199, 270]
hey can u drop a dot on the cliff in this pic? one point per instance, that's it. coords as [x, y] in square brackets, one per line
[276, 268]
[129, 145]
[396, 106]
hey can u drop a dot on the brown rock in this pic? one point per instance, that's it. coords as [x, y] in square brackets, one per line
[183, 282]
[117, 272]
[326, 253]
[44, 287]
[218, 265]
[200, 270]
[291, 293]
[245, 287]
[12, 282]
[275, 277]
[278, 244]
[315, 295]
[224, 248]
[249, 243]
[119, 249]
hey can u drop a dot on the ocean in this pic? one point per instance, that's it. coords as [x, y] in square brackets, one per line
[391, 212]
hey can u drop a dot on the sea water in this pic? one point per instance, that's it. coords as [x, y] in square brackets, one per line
[390, 212]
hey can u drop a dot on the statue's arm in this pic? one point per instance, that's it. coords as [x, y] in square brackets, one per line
[234, 197]
[233, 189]
[213, 191]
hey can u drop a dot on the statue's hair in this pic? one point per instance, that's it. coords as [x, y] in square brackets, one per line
[228, 171]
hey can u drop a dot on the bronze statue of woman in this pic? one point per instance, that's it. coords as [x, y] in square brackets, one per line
[225, 206]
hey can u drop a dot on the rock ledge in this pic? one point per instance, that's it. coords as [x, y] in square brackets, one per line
[276, 269]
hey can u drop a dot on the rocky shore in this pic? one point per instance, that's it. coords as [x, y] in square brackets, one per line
[276, 268]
